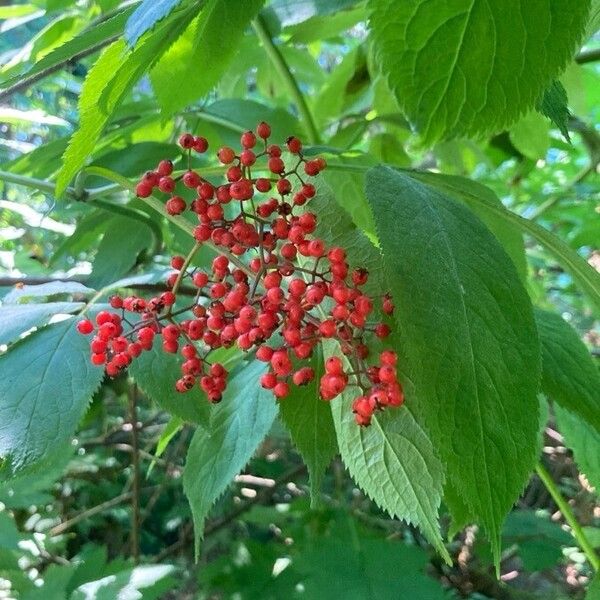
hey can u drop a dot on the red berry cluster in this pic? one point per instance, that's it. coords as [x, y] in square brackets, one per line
[274, 287]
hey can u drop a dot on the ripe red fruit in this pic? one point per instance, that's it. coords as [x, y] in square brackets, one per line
[294, 145]
[281, 389]
[248, 139]
[200, 144]
[165, 167]
[263, 130]
[175, 205]
[98, 359]
[143, 189]
[186, 140]
[226, 155]
[85, 327]
[191, 179]
[177, 262]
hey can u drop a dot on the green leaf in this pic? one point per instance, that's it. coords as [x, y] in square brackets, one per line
[9, 534]
[156, 372]
[468, 341]
[108, 81]
[583, 273]
[569, 375]
[46, 382]
[238, 425]
[464, 190]
[309, 421]
[195, 63]
[593, 592]
[46, 290]
[540, 540]
[145, 582]
[356, 566]
[530, 135]
[145, 17]
[554, 105]
[583, 439]
[292, 12]
[318, 28]
[172, 428]
[348, 188]
[472, 67]
[117, 254]
[15, 320]
[33, 484]
[394, 463]
[94, 37]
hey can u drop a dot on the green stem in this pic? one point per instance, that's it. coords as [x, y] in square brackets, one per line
[282, 68]
[31, 182]
[567, 513]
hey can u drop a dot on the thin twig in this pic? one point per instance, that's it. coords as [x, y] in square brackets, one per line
[214, 526]
[135, 463]
[283, 69]
[588, 56]
[565, 509]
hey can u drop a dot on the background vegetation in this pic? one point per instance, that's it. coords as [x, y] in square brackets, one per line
[94, 93]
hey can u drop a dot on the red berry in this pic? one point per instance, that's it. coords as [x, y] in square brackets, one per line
[165, 167]
[175, 205]
[186, 140]
[200, 144]
[294, 145]
[226, 155]
[263, 130]
[143, 189]
[85, 327]
[248, 139]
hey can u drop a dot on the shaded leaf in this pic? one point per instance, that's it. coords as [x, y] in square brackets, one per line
[239, 424]
[309, 421]
[468, 341]
[569, 375]
[46, 382]
[472, 67]
[17, 319]
[156, 372]
[554, 105]
[583, 440]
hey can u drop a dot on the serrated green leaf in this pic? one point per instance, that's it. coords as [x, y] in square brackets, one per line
[46, 382]
[472, 67]
[45, 290]
[145, 17]
[394, 463]
[530, 135]
[468, 340]
[348, 189]
[32, 484]
[239, 424]
[117, 254]
[108, 81]
[194, 64]
[156, 372]
[95, 36]
[569, 375]
[17, 319]
[583, 439]
[309, 421]
[583, 273]
[554, 105]
[465, 190]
